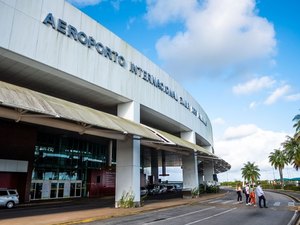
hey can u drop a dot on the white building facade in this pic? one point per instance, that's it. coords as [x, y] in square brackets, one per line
[62, 70]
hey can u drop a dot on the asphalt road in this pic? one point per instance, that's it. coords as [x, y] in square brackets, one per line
[223, 211]
[54, 207]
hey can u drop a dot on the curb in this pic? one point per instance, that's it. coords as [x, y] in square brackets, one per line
[285, 193]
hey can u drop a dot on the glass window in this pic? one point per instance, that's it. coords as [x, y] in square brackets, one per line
[72, 190]
[53, 190]
[61, 190]
[12, 192]
[64, 157]
[3, 193]
[38, 191]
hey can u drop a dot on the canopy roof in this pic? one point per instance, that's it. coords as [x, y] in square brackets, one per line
[22, 104]
[35, 107]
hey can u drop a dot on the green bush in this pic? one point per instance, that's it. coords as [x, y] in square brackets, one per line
[201, 189]
[271, 186]
[195, 192]
[292, 187]
[212, 189]
[231, 183]
[208, 189]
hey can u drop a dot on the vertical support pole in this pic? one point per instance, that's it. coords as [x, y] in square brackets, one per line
[154, 166]
[190, 167]
[128, 159]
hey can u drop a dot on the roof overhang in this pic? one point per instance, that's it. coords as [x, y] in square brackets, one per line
[22, 104]
[220, 165]
[168, 140]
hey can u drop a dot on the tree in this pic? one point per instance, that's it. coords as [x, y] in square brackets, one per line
[292, 150]
[278, 159]
[250, 172]
[297, 127]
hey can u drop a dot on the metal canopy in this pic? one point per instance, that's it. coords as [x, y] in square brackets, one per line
[38, 108]
[220, 165]
[22, 104]
[171, 141]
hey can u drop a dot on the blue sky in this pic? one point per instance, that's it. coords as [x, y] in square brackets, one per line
[238, 59]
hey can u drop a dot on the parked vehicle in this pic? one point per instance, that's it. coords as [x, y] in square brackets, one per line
[162, 189]
[178, 187]
[171, 188]
[9, 197]
[153, 189]
[144, 191]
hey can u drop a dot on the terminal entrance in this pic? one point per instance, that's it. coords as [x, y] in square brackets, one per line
[49, 189]
[64, 165]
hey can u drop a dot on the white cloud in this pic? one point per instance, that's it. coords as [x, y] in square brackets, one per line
[116, 4]
[277, 94]
[218, 121]
[253, 85]
[130, 22]
[83, 3]
[240, 131]
[254, 145]
[253, 105]
[294, 97]
[164, 11]
[218, 35]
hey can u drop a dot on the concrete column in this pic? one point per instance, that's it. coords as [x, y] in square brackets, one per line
[208, 171]
[128, 170]
[200, 172]
[208, 168]
[163, 164]
[128, 158]
[189, 166]
[154, 166]
[130, 111]
[110, 150]
[201, 178]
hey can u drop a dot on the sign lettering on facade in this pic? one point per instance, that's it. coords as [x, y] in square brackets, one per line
[88, 41]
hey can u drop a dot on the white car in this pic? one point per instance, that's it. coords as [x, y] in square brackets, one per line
[144, 191]
[9, 197]
[162, 189]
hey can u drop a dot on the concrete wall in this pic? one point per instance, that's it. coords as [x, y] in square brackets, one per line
[23, 32]
[17, 148]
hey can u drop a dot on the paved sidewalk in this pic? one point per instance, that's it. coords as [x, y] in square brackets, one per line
[81, 216]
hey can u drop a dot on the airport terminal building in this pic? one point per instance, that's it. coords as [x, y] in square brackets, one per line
[83, 113]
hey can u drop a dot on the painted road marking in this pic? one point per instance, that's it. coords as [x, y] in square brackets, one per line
[209, 217]
[276, 204]
[291, 204]
[186, 214]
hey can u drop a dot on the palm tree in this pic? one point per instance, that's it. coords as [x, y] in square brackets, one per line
[278, 159]
[292, 149]
[297, 126]
[250, 172]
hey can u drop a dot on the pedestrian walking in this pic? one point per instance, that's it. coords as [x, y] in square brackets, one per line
[252, 198]
[247, 192]
[239, 193]
[261, 196]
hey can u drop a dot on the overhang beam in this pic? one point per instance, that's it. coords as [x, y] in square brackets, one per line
[60, 124]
